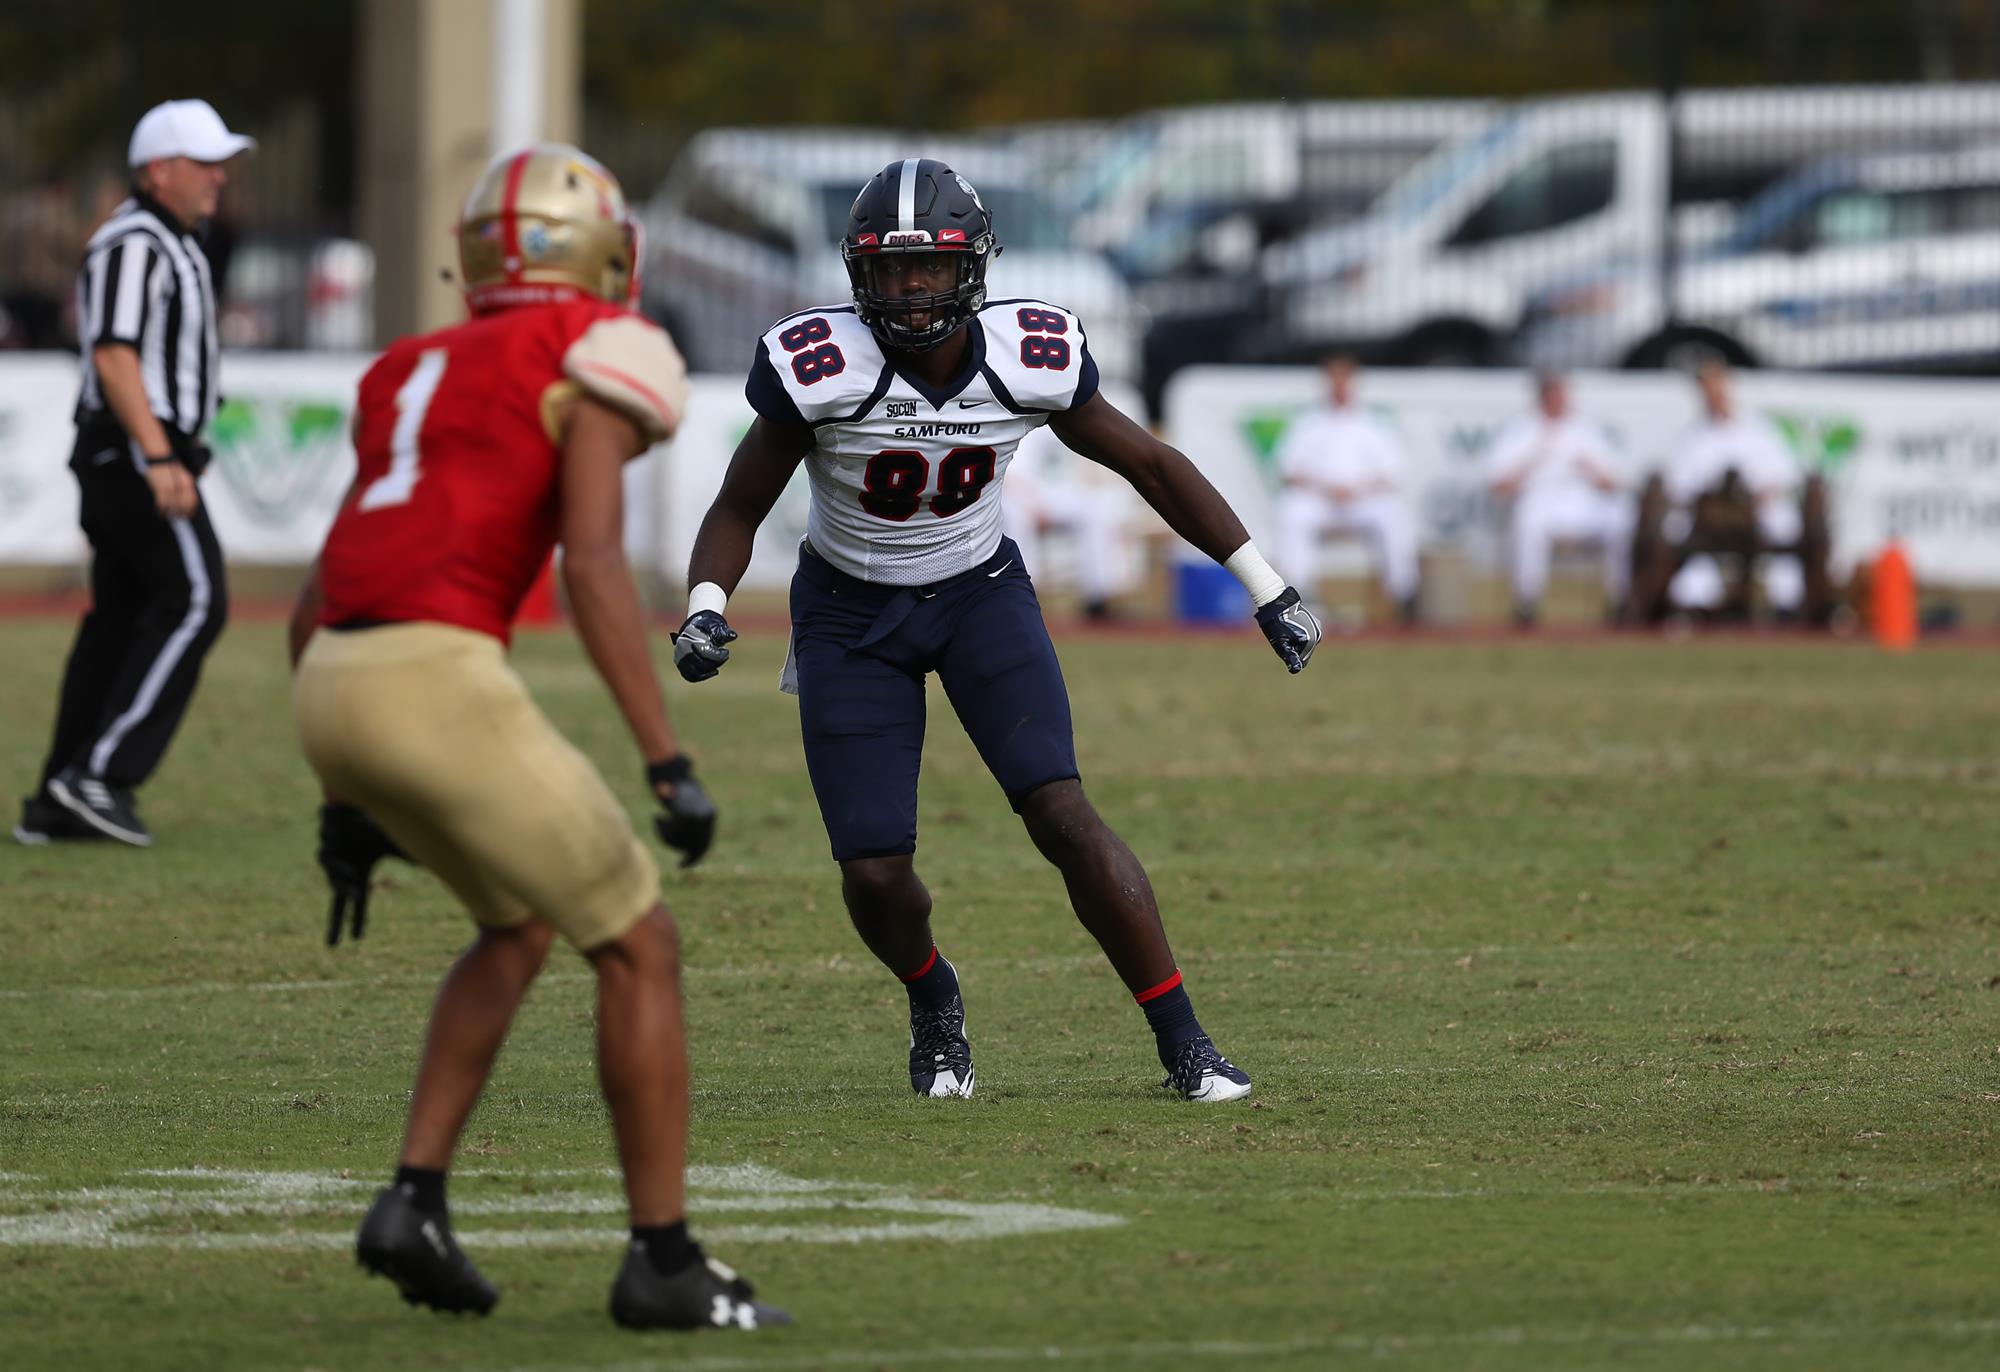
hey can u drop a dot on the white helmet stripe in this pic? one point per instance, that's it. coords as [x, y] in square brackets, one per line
[906, 196]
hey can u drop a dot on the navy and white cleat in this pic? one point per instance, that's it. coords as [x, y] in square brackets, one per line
[705, 1294]
[940, 1058]
[1200, 1072]
[417, 1252]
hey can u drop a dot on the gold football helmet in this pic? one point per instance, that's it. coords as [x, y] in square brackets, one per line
[543, 224]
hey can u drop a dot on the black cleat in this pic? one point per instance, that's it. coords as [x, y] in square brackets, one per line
[940, 1058]
[105, 808]
[44, 822]
[705, 1294]
[416, 1251]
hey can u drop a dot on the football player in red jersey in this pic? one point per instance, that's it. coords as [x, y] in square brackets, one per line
[480, 447]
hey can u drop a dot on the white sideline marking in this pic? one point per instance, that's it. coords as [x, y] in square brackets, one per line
[114, 1217]
[1176, 1354]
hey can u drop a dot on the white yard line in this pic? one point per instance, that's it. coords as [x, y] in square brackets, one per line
[126, 1216]
[1230, 1350]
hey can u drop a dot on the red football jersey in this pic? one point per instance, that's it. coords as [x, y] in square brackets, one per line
[456, 507]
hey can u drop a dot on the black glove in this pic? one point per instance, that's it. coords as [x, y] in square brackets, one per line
[701, 645]
[1291, 628]
[689, 822]
[350, 844]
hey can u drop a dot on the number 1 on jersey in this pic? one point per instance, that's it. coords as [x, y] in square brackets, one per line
[394, 486]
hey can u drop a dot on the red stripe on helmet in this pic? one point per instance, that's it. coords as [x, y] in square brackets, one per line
[510, 228]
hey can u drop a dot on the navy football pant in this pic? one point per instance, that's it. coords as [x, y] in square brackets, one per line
[862, 652]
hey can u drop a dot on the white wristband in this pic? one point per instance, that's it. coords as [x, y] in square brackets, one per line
[1249, 567]
[707, 596]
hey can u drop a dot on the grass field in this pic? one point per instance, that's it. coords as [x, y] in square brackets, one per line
[1609, 1004]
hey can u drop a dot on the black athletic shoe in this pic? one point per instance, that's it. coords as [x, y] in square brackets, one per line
[43, 822]
[416, 1251]
[940, 1058]
[1200, 1072]
[107, 809]
[705, 1294]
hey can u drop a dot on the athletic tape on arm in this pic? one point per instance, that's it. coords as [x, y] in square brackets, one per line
[1249, 567]
[706, 596]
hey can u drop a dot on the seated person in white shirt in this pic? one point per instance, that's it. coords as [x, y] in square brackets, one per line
[1051, 490]
[1725, 439]
[1559, 477]
[1343, 473]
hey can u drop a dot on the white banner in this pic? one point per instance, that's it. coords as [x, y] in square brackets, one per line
[38, 505]
[1917, 460]
[283, 459]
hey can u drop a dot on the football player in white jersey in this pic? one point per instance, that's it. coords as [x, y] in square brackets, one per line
[907, 405]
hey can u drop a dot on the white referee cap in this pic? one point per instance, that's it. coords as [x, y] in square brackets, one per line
[185, 128]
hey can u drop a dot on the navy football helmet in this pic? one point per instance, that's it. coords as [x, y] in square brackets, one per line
[917, 206]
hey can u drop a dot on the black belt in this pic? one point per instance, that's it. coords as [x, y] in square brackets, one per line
[97, 430]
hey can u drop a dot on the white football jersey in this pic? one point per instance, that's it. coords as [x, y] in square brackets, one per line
[906, 477]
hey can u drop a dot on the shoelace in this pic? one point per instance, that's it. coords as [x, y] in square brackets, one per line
[1196, 1059]
[937, 1035]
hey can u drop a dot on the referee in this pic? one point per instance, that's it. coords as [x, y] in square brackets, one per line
[146, 322]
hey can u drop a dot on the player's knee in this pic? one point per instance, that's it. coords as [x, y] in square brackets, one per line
[659, 937]
[881, 885]
[1062, 822]
[650, 950]
[525, 946]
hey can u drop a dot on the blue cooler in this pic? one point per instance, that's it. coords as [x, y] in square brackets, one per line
[1206, 593]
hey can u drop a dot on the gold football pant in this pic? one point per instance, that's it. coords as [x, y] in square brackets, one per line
[427, 728]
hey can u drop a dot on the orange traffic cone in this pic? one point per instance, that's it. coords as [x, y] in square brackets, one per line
[1892, 601]
[539, 606]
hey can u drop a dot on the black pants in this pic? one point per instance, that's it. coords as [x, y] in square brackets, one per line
[158, 604]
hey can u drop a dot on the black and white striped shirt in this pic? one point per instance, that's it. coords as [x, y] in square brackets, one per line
[145, 283]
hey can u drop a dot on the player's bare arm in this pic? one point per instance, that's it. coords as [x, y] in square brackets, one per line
[758, 472]
[597, 444]
[1195, 510]
[1160, 473]
[602, 594]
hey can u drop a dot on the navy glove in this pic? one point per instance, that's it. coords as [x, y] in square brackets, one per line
[350, 844]
[1291, 628]
[688, 824]
[701, 645]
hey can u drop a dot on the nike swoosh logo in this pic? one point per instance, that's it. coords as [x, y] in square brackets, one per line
[968, 404]
[1001, 568]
